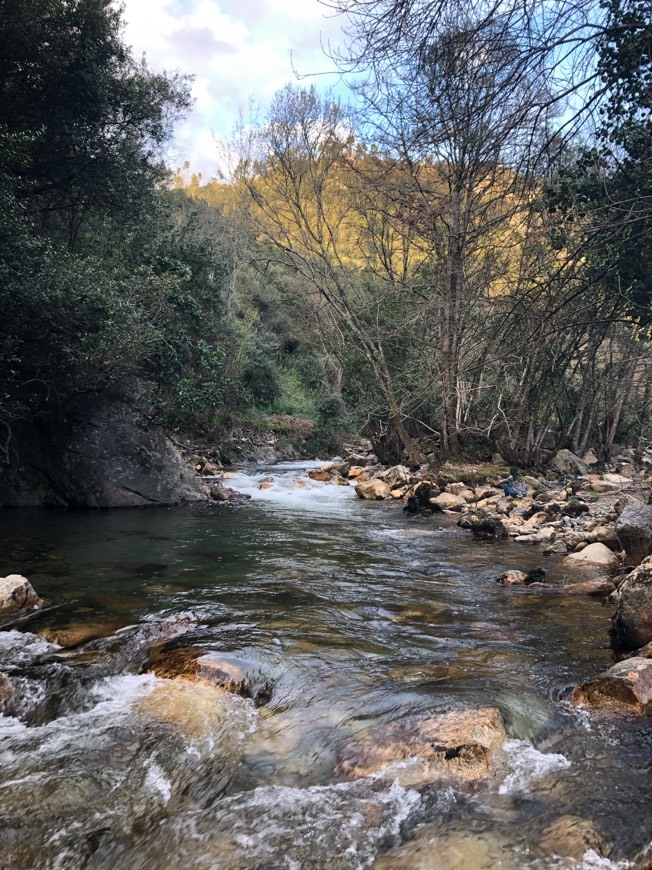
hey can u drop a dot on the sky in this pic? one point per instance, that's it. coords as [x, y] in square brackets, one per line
[239, 51]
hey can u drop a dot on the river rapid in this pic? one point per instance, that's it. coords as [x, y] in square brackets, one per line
[356, 615]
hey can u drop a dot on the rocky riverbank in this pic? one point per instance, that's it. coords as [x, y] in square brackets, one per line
[598, 525]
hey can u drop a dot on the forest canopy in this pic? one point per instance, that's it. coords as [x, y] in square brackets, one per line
[459, 260]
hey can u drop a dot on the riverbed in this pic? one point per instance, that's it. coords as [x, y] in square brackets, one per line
[355, 614]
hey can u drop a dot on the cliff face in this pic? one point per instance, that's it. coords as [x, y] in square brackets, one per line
[100, 455]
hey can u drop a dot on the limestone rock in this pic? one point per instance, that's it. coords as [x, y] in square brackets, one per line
[593, 554]
[17, 593]
[446, 501]
[604, 535]
[460, 746]
[624, 688]
[631, 625]
[372, 490]
[634, 529]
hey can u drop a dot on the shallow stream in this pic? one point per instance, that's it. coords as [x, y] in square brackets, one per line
[356, 615]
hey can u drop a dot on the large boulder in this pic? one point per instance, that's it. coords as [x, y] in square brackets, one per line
[593, 554]
[634, 530]
[624, 688]
[16, 594]
[566, 462]
[446, 501]
[631, 624]
[372, 490]
[101, 455]
[461, 746]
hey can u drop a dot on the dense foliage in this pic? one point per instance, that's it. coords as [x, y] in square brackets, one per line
[452, 267]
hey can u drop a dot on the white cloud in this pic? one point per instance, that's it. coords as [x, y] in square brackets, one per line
[237, 50]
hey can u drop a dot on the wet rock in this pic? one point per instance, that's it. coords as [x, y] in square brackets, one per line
[324, 476]
[520, 578]
[631, 625]
[419, 500]
[219, 492]
[16, 594]
[194, 710]
[446, 501]
[624, 688]
[212, 669]
[74, 635]
[372, 490]
[512, 578]
[488, 528]
[592, 554]
[460, 747]
[598, 588]
[571, 837]
[6, 693]
[634, 529]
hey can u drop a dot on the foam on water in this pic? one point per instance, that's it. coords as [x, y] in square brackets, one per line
[527, 765]
[291, 486]
[285, 827]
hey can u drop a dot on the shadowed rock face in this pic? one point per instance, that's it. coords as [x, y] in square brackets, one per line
[625, 688]
[634, 528]
[99, 456]
[631, 625]
[460, 746]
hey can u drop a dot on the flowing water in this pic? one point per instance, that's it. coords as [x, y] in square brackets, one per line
[356, 615]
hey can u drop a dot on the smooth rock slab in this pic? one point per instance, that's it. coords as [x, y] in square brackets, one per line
[593, 554]
[460, 747]
[17, 593]
[625, 688]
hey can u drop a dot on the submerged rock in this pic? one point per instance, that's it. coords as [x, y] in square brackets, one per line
[429, 850]
[624, 688]
[16, 594]
[461, 746]
[631, 625]
[599, 587]
[571, 837]
[212, 669]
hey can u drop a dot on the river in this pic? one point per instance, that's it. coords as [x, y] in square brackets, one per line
[356, 614]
